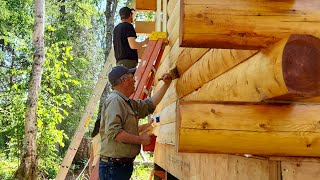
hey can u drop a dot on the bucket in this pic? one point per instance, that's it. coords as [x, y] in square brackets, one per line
[151, 146]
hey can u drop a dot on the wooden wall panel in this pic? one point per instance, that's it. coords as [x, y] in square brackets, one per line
[300, 170]
[166, 133]
[166, 115]
[146, 5]
[246, 24]
[190, 166]
[286, 71]
[145, 27]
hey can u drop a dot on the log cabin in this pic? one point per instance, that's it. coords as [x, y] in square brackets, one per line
[246, 104]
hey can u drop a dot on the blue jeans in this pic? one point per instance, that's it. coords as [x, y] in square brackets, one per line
[115, 171]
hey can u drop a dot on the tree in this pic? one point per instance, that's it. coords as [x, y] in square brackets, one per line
[111, 6]
[28, 168]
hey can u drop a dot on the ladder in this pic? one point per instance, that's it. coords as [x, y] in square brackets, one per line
[145, 74]
[89, 110]
[149, 64]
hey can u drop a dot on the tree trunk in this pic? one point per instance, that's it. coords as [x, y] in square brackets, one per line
[111, 7]
[28, 168]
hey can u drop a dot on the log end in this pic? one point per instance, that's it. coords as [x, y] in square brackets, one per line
[301, 65]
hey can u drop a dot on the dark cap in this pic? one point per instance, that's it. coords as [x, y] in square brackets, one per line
[117, 72]
[125, 12]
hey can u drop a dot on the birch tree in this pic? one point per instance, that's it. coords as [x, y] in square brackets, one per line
[28, 168]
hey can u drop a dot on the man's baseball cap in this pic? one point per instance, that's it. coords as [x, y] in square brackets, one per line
[117, 72]
[125, 12]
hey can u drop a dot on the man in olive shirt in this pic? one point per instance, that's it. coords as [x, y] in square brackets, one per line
[120, 139]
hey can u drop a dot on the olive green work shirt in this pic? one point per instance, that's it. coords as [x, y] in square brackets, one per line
[121, 113]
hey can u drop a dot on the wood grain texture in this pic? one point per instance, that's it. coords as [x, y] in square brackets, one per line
[260, 117]
[146, 5]
[169, 61]
[174, 34]
[174, 18]
[300, 170]
[246, 128]
[166, 115]
[166, 133]
[262, 76]
[247, 142]
[169, 97]
[171, 5]
[191, 166]
[188, 57]
[214, 63]
[246, 24]
[145, 27]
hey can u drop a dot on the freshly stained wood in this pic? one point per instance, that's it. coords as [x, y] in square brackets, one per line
[146, 5]
[245, 24]
[188, 57]
[145, 27]
[289, 70]
[247, 128]
[190, 166]
[212, 64]
[300, 170]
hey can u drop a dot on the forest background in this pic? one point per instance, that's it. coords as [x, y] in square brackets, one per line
[77, 41]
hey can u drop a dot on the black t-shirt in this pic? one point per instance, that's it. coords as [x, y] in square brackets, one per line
[121, 46]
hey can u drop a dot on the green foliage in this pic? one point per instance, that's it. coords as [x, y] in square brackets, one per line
[141, 172]
[73, 59]
[8, 167]
[145, 16]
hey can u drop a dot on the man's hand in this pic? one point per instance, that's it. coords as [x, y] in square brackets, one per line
[150, 121]
[166, 77]
[146, 41]
[145, 139]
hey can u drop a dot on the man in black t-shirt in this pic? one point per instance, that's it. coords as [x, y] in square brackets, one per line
[124, 40]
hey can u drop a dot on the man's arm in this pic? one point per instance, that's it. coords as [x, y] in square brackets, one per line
[145, 126]
[126, 137]
[136, 45]
[156, 98]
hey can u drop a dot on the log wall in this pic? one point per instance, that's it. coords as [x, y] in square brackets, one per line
[240, 75]
[245, 24]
